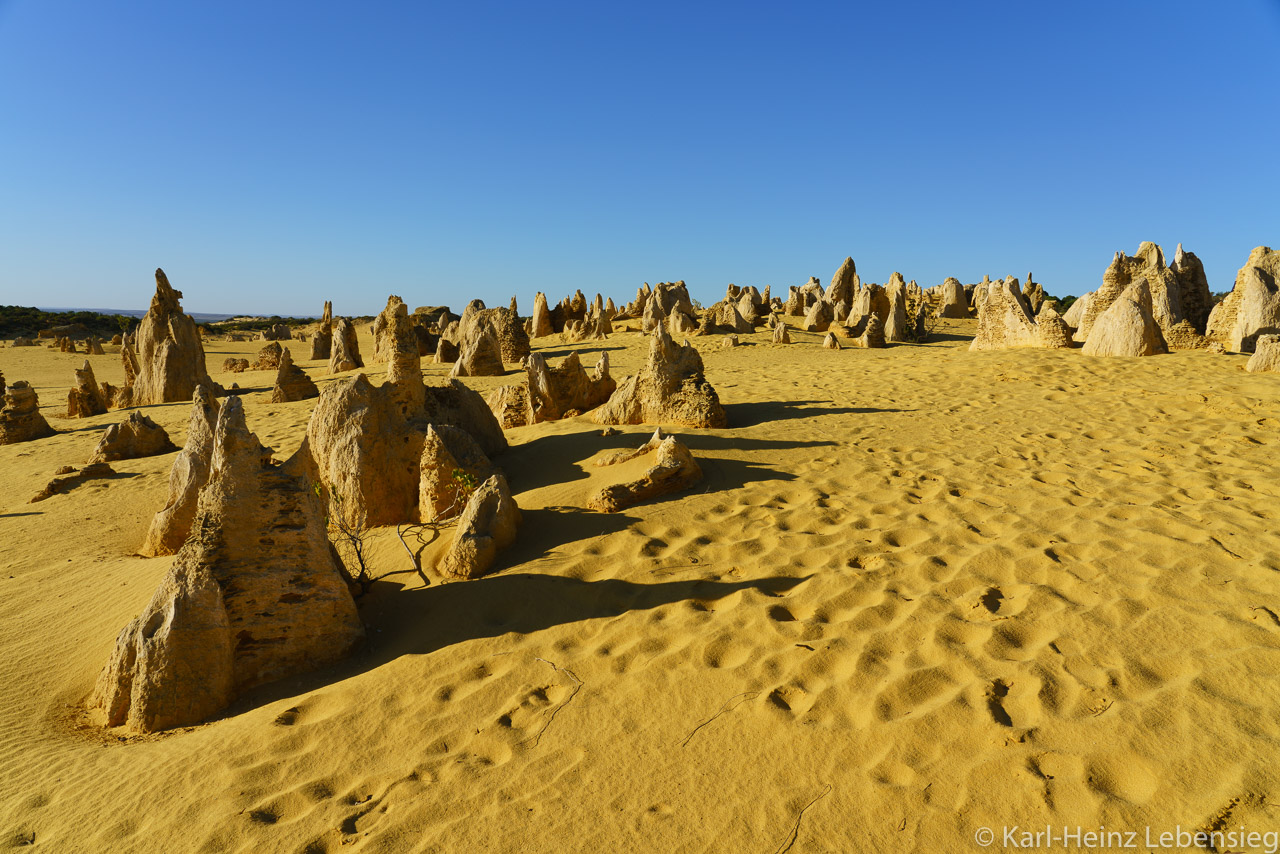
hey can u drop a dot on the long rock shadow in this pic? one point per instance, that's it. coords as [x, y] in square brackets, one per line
[421, 621]
[555, 458]
[755, 414]
[583, 351]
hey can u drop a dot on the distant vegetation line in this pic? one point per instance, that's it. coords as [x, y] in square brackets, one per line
[27, 321]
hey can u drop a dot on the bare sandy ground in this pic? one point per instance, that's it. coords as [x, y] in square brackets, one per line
[920, 591]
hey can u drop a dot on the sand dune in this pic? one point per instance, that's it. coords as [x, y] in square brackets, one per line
[919, 591]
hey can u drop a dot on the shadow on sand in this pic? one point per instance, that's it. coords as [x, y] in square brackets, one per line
[764, 412]
[420, 621]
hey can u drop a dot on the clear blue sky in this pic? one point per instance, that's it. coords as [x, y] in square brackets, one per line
[270, 155]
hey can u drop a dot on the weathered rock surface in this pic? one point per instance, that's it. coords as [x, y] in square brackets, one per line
[165, 352]
[322, 338]
[831, 342]
[292, 383]
[1266, 354]
[819, 317]
[510, 405]
[255, 594]
[1004, 318]
[190, 472]
[1128, 327]
[541, 317]
[235, 366]
[479, 356]
[1252, 307]
[867, 333]
[346, 348]
[68, 477]
[269, 357]
[844, 284]
[1054, 334]
[553, 393]
[450, 458]
[20, 418]
[670, 389]
[137, 436]
[780, 334]
[954, 303]
[86, 398]
[488, 525]
[505, 327]
[673, 470]
[367, 441]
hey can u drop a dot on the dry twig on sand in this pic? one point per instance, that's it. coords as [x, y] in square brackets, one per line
[578, 683]
[727, 707]
[795, 829]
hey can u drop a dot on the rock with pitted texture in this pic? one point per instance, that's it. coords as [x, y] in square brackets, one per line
[255, 594]
[165, 352]
[488, 524]
[724, 317]
[479, 355]
[135, 437]
[510, 405]
[867, 333]
[503, 325]
[554, 392]
[653, 316]
[20, 418]
[1052, 329]
[673, 469]
[670, 389]
[367, 441]
[190, 472]
[292, 383]
[235, 366]
[780, 334]
[269, 357]
[1164, 288]
[86, 399]
[1004, 318]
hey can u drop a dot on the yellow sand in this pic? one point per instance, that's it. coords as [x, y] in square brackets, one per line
[919, 591]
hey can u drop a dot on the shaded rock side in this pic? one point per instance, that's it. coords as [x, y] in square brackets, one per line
[292, 383]
[346, 348]
[135, 437]
[488, 525]
[554, 392]
[450, 458]
[673, 470]
[254, 595]
[171, 525]
[20, 418]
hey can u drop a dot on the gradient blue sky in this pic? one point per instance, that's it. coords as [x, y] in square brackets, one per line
[272, 155]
